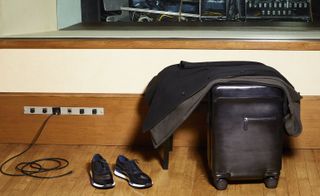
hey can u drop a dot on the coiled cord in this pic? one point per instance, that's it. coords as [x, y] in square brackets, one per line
[32, 168]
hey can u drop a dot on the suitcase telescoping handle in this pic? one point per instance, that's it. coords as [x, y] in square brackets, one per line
[246, 120]
[190, 65]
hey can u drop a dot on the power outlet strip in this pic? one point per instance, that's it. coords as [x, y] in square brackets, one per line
[82, 111]
[48, 110]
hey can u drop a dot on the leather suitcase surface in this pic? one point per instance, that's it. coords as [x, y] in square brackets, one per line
[245, 134]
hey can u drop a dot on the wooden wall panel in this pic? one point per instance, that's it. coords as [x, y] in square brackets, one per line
[121, 125]
[219, 44]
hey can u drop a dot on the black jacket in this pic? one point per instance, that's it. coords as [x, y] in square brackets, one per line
[178, 84]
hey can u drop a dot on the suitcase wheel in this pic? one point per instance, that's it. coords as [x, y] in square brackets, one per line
[271, 182]
[220, 183]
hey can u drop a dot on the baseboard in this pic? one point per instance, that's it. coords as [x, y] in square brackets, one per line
[121, 124]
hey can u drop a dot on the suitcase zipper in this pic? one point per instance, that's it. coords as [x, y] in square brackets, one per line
[247, 119]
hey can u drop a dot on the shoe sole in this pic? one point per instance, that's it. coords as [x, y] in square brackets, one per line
[121, 175]
[101, 186]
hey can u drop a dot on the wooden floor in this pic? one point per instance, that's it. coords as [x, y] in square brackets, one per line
[186, 176]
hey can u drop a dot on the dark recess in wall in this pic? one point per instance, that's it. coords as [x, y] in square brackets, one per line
[91, 10]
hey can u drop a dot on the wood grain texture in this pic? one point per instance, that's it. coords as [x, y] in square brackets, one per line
[121, 125]
[218, 44]
[187, 174]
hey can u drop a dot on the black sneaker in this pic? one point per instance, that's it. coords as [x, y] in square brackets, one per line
[129, 170]
[100, 173]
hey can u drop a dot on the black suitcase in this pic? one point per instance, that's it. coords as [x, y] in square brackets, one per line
[245, 134]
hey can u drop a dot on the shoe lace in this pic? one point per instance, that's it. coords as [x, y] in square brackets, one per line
[102, 166]
[134, 167]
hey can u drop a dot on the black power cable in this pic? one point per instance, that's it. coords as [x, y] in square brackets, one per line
[32, 168]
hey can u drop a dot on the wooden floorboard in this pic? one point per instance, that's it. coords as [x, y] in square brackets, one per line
[187, 174]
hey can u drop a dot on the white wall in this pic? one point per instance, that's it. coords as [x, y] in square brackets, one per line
[27, 16]
[1, 19]
[129, 71]
[68, 13]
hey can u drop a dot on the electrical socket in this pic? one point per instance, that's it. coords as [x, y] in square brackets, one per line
[38, 110]
[82, 111]
[47, 110]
